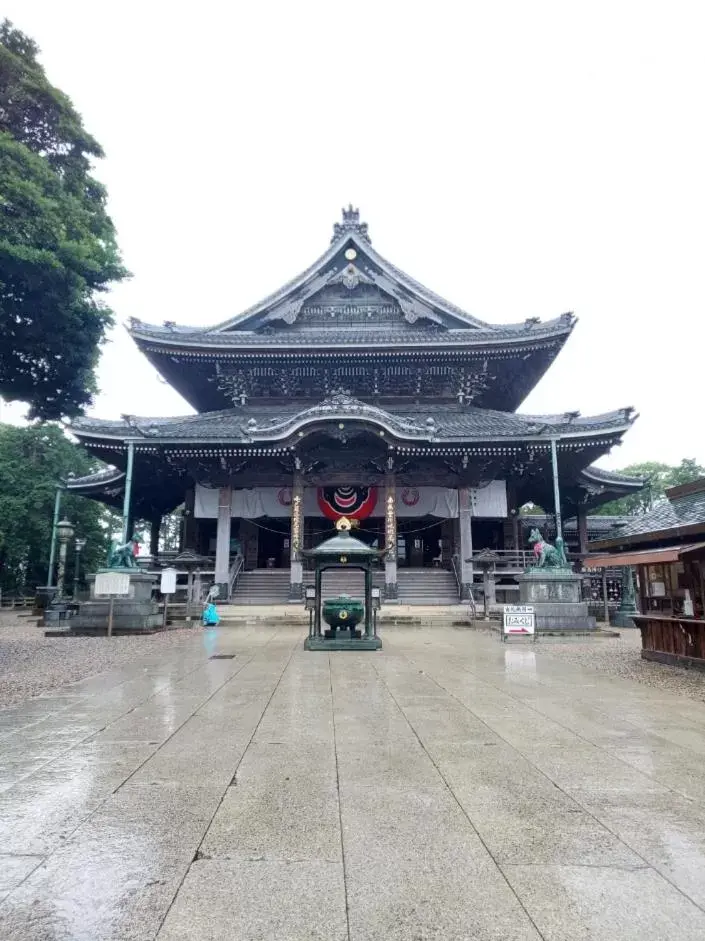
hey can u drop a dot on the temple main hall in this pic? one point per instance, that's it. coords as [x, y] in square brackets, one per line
[353, 391]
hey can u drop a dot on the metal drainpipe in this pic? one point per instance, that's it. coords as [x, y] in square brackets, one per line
[128, 491]
[556, 489]
[52, 548]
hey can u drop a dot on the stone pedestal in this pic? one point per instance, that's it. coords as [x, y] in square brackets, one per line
[624, 618]
[44, 598]
[555, 595]
[134, 613]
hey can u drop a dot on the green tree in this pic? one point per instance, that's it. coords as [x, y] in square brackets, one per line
[32, 460]
[659, 477]
[58, 251]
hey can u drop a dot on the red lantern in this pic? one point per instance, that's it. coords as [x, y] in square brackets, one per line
[355, 503]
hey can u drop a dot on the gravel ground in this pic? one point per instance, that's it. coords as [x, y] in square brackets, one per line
[31, 664]
[621, 656]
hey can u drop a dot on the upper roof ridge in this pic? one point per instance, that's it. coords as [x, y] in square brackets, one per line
[351, 223]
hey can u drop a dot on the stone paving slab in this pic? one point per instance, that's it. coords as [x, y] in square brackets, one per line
[49, 805]
[568, 903]
[444, 788]
[261, 900]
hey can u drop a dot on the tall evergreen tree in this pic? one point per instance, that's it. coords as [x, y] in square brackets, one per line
[32, 461]
[58, 251]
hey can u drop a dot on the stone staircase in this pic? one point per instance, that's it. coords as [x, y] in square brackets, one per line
[262, 586]
[427, 587]
[416, 586]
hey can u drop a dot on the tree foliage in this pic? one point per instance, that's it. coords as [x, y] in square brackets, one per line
[58, 251]
[659, 478]
[32, 460]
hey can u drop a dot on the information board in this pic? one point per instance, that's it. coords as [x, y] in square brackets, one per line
[519, 619]
[112, 583]
[167, 585]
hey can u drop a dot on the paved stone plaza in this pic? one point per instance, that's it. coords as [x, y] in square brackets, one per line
[448, 787]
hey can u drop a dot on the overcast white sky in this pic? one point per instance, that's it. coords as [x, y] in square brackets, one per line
[521, 159]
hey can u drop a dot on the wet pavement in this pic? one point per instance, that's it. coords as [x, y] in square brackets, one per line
[448, 787]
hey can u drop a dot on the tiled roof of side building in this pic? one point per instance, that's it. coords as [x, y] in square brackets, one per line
[688, 510]
[595, 523]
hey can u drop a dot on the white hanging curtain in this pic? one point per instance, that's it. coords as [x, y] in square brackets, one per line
[441, 502]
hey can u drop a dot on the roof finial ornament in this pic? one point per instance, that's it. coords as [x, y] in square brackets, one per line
[351, 223]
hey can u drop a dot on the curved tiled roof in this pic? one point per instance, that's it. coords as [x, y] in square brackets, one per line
[106, 475]
[185, 337]
[362, 244]
[424, 422]
[600, 475]
[463, 329]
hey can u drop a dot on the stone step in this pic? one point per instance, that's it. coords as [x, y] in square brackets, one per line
[415, 586]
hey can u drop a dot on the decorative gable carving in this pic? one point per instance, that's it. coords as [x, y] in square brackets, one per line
[340, 305]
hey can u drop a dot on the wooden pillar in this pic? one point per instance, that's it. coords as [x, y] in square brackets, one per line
[391, 589]
[582, 531]
[447, 537]
[512, 524]
[222, 541]
[296, 539]
[155, 526]
[465, 521]
[188, 537]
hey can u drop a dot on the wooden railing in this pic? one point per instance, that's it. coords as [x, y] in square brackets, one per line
[512, 558]
[21, 601]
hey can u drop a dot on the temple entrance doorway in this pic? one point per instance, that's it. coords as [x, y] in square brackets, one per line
[274, 542]
[419, 542]
[487, 534]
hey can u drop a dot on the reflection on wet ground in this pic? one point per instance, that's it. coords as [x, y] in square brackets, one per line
[448, 787]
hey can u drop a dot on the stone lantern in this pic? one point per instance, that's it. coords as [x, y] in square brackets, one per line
[64, 533]
[79, 546]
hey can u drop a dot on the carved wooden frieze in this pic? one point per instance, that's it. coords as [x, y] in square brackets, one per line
[368, 380]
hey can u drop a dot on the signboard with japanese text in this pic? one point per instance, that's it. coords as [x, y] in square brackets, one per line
[167, 585]
[112, 583]
[518, 619]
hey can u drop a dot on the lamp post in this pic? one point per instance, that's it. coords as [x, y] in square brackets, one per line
[64, 532]
[79, 545]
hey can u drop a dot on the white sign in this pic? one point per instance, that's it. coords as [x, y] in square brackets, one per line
[112, 583]
[167, 585]
[519, 619]
[688, 608]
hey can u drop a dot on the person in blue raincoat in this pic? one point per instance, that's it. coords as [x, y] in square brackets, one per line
[210, 615]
